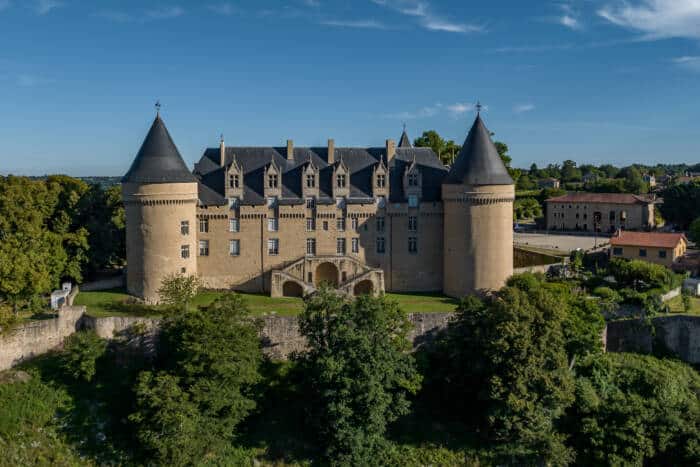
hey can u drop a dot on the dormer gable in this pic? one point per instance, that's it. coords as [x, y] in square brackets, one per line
[413, 180]
[380, 179]
[233, 179]
[310, 180]
[272, 180]
[341, 179]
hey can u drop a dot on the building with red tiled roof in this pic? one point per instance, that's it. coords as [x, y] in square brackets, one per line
[656, 247]
[601, 212]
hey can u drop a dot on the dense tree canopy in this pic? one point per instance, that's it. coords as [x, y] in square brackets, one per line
[681, 204]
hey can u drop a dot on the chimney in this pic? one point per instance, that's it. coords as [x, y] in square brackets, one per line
[222, 152]
[290, 150]
[390, 150]
[331, 151]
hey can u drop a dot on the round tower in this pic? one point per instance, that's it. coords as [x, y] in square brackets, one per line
[477, 195]
[160, 199]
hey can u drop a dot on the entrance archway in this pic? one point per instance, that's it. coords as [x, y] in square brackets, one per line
[292, 289]
[365, 287]
[327, 273]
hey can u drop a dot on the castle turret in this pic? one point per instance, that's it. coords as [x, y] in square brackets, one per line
[478, 195]
[160, 199]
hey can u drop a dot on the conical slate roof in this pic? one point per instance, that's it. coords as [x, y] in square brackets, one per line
[404, 141]
[478, 163]
[158, 160]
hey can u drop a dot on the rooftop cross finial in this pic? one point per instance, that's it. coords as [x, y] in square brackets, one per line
[478, 107]
[222, 137]
[158, 108]
[404, 127]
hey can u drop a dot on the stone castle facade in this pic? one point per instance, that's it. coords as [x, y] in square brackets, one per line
[282, 220]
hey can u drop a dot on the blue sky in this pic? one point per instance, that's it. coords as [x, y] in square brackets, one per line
[592, 80]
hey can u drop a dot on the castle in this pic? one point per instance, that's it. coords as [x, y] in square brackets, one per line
[282, 220]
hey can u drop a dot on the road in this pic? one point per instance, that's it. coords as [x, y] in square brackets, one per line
[565, 243]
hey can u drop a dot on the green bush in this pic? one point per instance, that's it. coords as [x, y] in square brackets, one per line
[80, 354]
[641, 275]
[606, 293]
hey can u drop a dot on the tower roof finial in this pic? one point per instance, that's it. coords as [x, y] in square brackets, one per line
[479, 107]
[158, 108]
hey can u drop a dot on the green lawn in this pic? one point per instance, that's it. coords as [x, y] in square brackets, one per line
[116, 302]
[676, 305]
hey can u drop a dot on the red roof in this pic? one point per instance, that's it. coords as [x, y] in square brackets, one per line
[602, 198]
[647, 239]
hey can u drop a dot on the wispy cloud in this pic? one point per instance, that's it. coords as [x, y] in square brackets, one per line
[460, 108]
[44, 7]
[656, 19]
[166, 12]
[523, 108]
[226, 9]
[358, 24]
[427, 19]
[533, 48]
[691, 62]
[454, 110]
[569, 17]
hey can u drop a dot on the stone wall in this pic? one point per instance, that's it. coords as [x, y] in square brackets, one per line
[674, 335]
[37, 337]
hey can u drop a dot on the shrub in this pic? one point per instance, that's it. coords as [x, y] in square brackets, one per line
[81, 352]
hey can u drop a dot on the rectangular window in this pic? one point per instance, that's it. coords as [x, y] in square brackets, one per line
[412, 223]
[234, 225]
[234, 247]
[381, 202]
[412, 245]
[340, 181]
[380, 224]
[185, 227]
[185, 251]
[272, 224]
[340, 246]
[204, 248]
[662, 254]
[617, 251]
[310, 224]
[381, 181]
[413, 201]
[413, 179]
[234, 181]
[311, 246]
[381, 245]
[204, 225]
[310, 181]
[354, 222]
[340, 224]
[310, 203]
[273, 246]
[355, 245]
[272, 181]
[642, 253]
[325, 225]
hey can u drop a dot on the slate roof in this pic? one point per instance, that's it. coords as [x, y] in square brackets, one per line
[647, 239]
[158, 160]
[601, 198]
[360, 163]
[404, 141]
[478, 162]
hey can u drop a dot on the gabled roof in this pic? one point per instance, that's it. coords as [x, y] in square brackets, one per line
[601, 198]
[478, 162]
[158, 160]
[404, 141]
[647, 239]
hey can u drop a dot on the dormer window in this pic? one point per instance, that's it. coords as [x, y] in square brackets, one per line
[381, 181]
[413, 179]
[310, 181]
[340, 180]
[272, 181]
[234, 181]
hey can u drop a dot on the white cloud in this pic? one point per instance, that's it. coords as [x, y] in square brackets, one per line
[460, 108]
[454, 110]
[226, 9]
[359, 24]
[570, 22]
[656, 19]
[44, 7]
[427, 19]
[523, 108]
[166, 12]
[691, 62]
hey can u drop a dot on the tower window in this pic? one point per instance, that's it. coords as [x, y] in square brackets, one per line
[381, 245]
[355, 245]
[234, 181]
[310, 224]
[413, 179]
[354, 223]
[204, 225]
[340, 224]
[412, 245]
[340, 246]
[381, 181]
[412, 223]
[310, 181]
[380, 224]
[234, 225]
[185, 251]
[325, 225]
[272, 181]
[234, 247]
[272, 224]
[273, 246]
[340, 180]
[204, 248]
[310, 247]
[185, 227]
[310, 203]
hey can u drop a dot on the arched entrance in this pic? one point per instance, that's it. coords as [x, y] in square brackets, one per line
[292, 289]
[365, 287]
[326, 273]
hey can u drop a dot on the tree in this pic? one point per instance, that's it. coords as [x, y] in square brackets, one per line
[569, 172]
[446, 150]
[81, 352]
[189, 407]
[526, 208]
[358, 372]
[641, 275]
[102, 214]
[635, 410]
[694, 231]
[633, 181]
[681, 204]
[178, 290]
